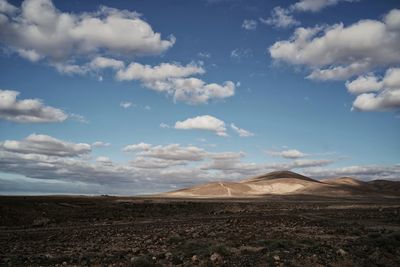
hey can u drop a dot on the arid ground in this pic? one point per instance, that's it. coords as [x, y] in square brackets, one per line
[272, 231]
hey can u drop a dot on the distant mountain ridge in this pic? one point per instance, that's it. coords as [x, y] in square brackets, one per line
[288, 183]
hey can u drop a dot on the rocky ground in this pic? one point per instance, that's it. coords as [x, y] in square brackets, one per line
[110, 231]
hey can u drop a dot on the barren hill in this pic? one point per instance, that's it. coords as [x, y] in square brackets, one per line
[288, 183]
[280, 175]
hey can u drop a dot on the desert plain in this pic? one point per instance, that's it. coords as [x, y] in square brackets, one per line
[354, 225]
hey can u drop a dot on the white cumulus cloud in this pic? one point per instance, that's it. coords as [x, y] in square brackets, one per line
[161, 72]
[45, 145]
[289, 154]
[367, 43]
[174, 79]
[39, 29]
[100, 62]
[174, 152]
[205, 122]
[283, 17]
[339, 52]
[27, 110]
[137, 147]
[315, 5]
[376, 94]
[7, 8]
[364, 84]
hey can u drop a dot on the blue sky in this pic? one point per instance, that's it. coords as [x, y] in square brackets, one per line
[183, 92]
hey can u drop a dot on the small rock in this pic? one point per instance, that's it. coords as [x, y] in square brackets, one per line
[215, 257]
[135, 250]
[341, 252]
[195, 235]
[277, 258]
[195, 258]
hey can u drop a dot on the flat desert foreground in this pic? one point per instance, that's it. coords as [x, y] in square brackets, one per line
[269, 231]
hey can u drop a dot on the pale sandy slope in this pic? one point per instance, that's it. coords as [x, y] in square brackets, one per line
[287, 183]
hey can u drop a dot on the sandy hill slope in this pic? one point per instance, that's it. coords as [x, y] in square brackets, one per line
[283, 182]
[215, 189]
[349, 181]
[288, 183]
[280, 175]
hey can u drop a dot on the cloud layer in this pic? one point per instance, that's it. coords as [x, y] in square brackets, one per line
[27, 110]
[45, 145]
[46, 160]
[89, 43]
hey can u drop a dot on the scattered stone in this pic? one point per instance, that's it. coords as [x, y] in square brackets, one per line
[195, 259]
[135, 250]
[216, 258]
[341, 252]
[168, 255]
[195, 235]
[249, 241]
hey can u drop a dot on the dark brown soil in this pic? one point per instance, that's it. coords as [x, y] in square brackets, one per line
[111, 231]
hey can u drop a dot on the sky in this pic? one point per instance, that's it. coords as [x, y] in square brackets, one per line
[137, 97]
